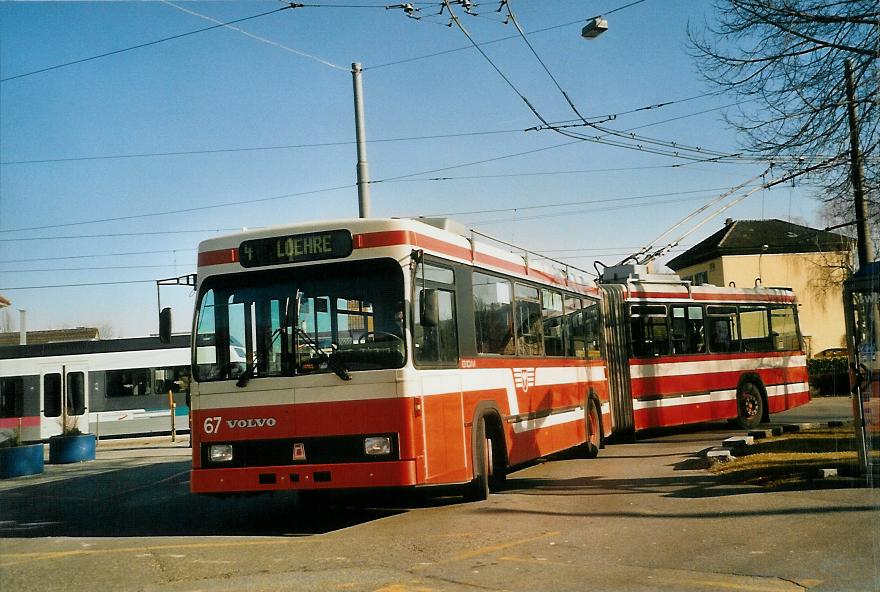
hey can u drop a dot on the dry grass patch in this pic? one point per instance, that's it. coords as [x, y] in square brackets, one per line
[792, 458]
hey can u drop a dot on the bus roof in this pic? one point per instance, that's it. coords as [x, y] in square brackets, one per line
[369, 238]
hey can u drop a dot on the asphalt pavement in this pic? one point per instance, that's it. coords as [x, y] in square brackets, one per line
[643, 516]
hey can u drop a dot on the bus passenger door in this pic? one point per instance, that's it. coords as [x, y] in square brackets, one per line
[446, 456]
[64, 397]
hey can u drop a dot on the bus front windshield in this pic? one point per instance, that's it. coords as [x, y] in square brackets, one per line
[289, 322]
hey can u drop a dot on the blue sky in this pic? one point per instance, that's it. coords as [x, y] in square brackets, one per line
[265, 103]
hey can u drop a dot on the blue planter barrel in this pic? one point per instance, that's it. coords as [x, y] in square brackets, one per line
[71, 449]
[18, 461]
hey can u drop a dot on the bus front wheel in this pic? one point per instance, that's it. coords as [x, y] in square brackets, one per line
[478, 489]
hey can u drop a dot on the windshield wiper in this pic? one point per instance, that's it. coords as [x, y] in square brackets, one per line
[249, 369]
[332, 361]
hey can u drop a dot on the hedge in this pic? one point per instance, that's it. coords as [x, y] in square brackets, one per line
[829, 376]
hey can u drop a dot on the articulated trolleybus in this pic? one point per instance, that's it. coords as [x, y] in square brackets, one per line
[681, 354]
[401, 353]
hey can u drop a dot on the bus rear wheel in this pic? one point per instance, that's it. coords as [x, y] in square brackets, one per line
[592, 420]
[750, 405]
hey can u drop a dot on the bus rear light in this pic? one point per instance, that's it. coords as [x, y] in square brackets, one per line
[377, 445]
[299, 451]
[220, 453]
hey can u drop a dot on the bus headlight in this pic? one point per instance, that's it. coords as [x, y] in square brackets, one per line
[377, 445]
[220, 452]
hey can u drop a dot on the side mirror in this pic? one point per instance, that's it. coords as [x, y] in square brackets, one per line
[429, 308]
[165, 325]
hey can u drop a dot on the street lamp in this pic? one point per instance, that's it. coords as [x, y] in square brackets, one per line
[594, 27]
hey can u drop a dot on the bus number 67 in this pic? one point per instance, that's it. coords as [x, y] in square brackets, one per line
[212, 425]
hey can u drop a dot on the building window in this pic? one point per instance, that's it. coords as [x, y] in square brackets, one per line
[701, 278]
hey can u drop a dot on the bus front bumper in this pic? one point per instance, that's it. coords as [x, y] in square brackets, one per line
[304, 477]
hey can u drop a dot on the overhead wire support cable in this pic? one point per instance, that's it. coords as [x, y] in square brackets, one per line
[727, 206]
[476, 45]
[148, 44]
[512, 17]
[257, 37]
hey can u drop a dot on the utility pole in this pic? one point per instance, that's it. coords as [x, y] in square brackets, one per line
[363, 171]
[865, 247]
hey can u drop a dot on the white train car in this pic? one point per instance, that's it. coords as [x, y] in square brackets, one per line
[111, 388]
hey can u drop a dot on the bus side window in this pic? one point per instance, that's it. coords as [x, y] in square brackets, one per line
[551, 313]
[592, 329]
[688, 336]
[573, 329]
[723, 329]
[529, 328]
[493, 315]
[436, 341]
[783, 328]
[755, 327]
[650, 337]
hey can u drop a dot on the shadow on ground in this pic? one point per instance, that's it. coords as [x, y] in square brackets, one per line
[154, 500]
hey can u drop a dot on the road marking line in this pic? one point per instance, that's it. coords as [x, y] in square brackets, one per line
[489, 549]
[20, 558]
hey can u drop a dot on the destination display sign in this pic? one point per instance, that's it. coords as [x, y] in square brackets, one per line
[295, 248]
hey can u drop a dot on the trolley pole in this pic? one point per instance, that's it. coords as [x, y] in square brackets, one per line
[363, 172]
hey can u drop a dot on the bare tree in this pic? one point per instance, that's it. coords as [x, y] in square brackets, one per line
[785, 60]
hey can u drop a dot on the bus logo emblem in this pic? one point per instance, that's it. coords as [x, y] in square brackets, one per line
[524, 378]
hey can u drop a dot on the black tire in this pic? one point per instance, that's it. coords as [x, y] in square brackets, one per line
[592, 421]
[749, 405]
[478, 489]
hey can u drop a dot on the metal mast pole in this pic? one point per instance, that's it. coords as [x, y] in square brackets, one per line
[865, 247]
[363, 171]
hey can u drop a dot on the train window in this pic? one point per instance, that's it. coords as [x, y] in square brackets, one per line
[129, 382]
[174, 379]
[76, 393]
[52, 395]
[529, 328]
[11, 397]
[493, 318]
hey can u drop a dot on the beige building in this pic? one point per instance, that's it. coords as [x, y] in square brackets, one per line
[774, 253]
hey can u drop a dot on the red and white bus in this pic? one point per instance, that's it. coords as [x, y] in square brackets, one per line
[681, 354]
[401, 353]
